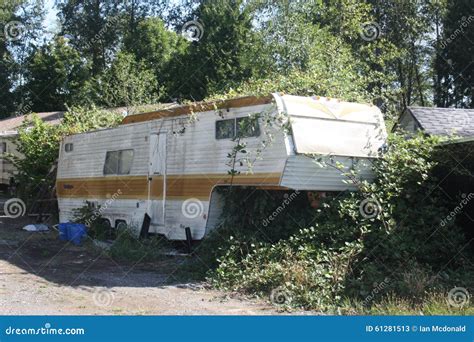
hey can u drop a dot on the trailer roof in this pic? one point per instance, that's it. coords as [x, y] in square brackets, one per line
[199, 107]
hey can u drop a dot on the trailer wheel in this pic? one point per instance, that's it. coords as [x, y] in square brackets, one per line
[119, 224]
[108, 226]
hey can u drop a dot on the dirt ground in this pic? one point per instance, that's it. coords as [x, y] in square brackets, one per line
[41, 275]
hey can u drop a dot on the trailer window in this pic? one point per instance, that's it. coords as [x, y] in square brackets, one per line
[245, 127]
[225, 129]
[125, 162]
[248, 127]
[118, 162]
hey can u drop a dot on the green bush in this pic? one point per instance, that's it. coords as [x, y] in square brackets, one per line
[38, 143]
[398, 247]
[127, 247]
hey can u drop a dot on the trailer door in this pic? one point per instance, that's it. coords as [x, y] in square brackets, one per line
[157, 179]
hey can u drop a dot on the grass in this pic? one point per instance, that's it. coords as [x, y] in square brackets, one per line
[127, 247]
[433, 304]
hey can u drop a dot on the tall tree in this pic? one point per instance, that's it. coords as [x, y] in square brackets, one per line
[55, 76]
[93, 27]
[298, 54]
[127, 83]
[159, 49]
[408, 26]
[21, 29]
[217, 60]
[454, 65]
[134, 12]
[6, 97]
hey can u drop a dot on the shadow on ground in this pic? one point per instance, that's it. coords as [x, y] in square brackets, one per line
[44, 255]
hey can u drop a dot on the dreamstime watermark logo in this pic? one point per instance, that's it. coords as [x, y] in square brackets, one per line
[286, 202]
[376, 290]
[46, 330]
[370, 31]
[280, 296]
[14, 30]
[103, 297]
[14, 207]
[98, 213]
[24, 109]
[192, 30]
[465, 22]
[370, 208]
[458, 297]
[458, 209]
[192, 208]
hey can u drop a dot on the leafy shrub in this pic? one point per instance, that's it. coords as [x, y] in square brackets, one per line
[312, 274]
[38, 143]
[248, 221]
[403, 249]
[128, 247]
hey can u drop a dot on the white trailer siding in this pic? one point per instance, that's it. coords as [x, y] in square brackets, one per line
[7, 168]
[330, 174]
[174, 180]
[195, 162]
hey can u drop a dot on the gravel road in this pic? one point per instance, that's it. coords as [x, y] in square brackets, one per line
[40, 275]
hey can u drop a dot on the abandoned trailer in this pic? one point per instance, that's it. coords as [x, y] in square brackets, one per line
[168, 164]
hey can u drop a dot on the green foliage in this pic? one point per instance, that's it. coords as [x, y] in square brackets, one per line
[220, 59]
[325, 67]
[249, 222]
[7, 65]
[128, 247]
[434, 304]
[38, 143]
[55, 76]
[160, 51]
[454, 56]
[126, 84]
[413, 55]
[312, 275]
[399, 240]
[93, 28]
[80, 119]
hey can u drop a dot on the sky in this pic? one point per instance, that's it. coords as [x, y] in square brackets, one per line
[50, 20]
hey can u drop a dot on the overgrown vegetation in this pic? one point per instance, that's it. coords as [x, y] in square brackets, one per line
[97, 227]
[38, 143]
[126, 246]
[383, 244]
[393, 53]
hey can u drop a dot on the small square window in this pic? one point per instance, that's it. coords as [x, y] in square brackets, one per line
[225, 129]
[125, 162]
[248, 127]
[118, 162]
[68, 147]
[111, 163]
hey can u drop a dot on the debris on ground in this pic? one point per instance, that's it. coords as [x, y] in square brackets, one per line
[104, 245]
[36, 228]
